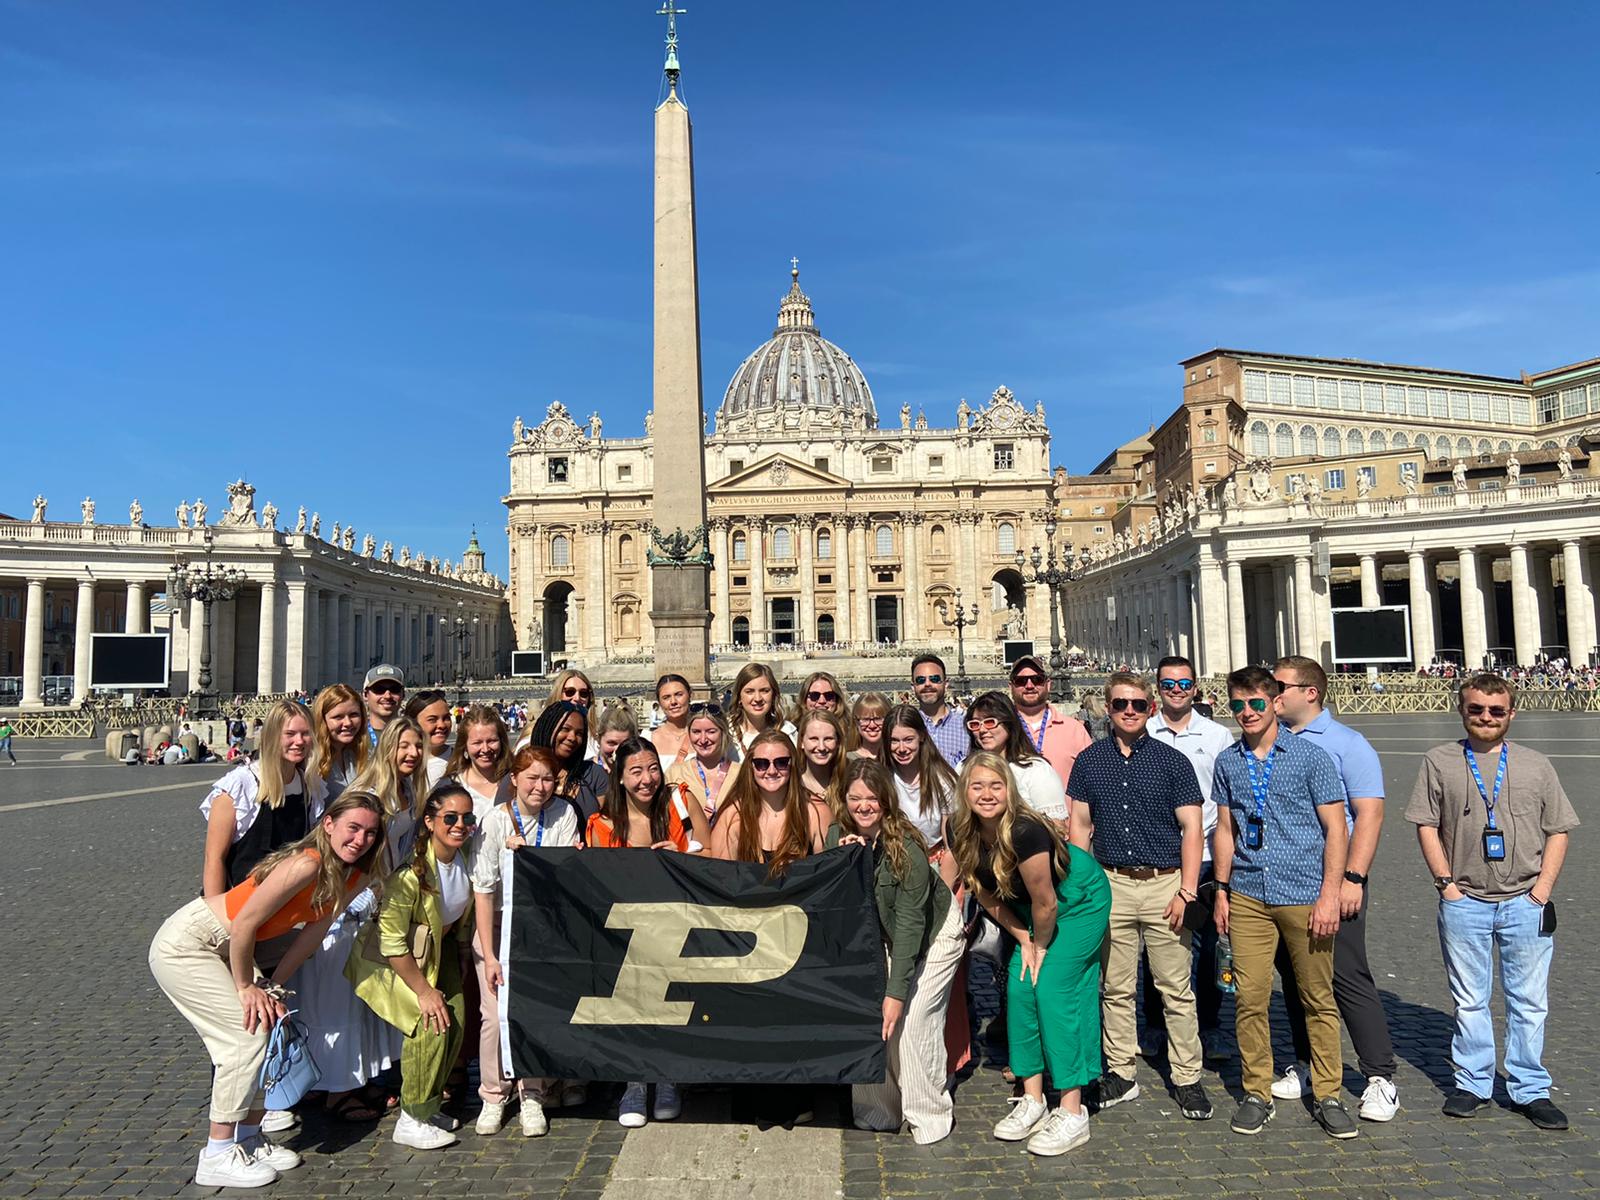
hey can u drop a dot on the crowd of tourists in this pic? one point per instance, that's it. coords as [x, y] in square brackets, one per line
[352, 872]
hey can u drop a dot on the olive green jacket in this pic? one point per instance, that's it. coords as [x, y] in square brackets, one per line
[405, 907]
[910, 910]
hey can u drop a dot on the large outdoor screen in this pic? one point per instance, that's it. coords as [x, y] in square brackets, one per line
[1372, 635]
[129, 660]
[527, 662]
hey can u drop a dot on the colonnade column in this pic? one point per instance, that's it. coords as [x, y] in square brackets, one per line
[196, 625]
[1423, 644]
[83, 641]
[805, 530]
[1238, 650]
[138, 617]
[841, 580]
[1524, 608]
[722, 629]
[1183, 633]
[333, 668]
[33, 646]
[1544, 590]
[1213, 625]
[1282, 617]
[313, 639]
[1305, 613]
[294, 658]
[347, 641]
[1371, 583]
[1580, 602]
[860, 615]
[1473, 641]
[267, 643]
[911, 625]
[758, 582]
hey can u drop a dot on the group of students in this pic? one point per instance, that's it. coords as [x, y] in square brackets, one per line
[353, 873]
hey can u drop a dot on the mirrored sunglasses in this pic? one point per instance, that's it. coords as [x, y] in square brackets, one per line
[1256, 703]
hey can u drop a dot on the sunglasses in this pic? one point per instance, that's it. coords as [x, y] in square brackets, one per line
[570, 692]
[1256, 703]
[386, 689]
[983, 724]
[822, 697]
[1497, 711]
[710, 710]
[451, 819]
[1288, 683]
[780, 763]
[1176, 685]
[927, 679]
[1138, 703]
[1026, 680]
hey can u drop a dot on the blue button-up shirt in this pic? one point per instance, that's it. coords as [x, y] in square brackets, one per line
[950, 735]
[1357, 761]
[1288, 867]
[1133, 801]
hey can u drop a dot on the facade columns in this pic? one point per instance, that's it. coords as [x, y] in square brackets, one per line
[1238, 627]
[83, 641]
[1474, 643]
[758, 583]
[805, 532]
[1423, 644]
[1524, 608]
[138, 617]
[594, 600]
[294, 659]
[968, 522]
[912, 628]
[840, 538]
[347, 641]
[1371, 582]
[722, 628]
[1580, 602]
[267, 643]
[860, 602]
[1305, 613]
[33, 646]
[1213, 624]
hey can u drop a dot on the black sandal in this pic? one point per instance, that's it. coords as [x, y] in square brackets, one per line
[354, 1108]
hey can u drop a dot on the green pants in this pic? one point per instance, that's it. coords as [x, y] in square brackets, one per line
[427, 1056]
[1054, 1024]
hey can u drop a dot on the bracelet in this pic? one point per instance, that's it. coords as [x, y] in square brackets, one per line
[1188, 895]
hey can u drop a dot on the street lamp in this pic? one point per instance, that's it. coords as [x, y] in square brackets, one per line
[208, 584]
[960, 623]
[463, 631]
[1054, 576]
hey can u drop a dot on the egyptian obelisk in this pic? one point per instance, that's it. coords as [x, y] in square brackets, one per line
[680, 563]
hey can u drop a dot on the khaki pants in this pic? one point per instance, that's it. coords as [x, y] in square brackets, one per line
[494, 1087]
[1137, 908]
[189, 958]
[1256, 930]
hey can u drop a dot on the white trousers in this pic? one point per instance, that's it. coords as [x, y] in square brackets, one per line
[915, 1089]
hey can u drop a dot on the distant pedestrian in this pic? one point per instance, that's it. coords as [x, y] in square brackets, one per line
[6, 734]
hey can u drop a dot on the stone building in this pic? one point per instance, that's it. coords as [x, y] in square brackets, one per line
[827, 527]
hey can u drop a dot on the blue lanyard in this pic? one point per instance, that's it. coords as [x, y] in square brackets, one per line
[1499, 778]
[1038, 738]
[538, 831]
[1259, 784]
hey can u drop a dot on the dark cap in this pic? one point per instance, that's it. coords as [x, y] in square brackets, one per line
[1029, 660]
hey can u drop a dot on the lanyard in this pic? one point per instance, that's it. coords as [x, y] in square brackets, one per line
[1038, 738]
[1489, 804]
[1259, 783]
[538, 831]
[705, 784]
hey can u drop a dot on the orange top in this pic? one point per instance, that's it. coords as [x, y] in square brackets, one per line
[602, 836]
[296, 911]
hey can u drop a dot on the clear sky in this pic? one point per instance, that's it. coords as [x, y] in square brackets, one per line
[336, 247]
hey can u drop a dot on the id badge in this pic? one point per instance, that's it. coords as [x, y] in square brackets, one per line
[1494, 845]
[1254, 833]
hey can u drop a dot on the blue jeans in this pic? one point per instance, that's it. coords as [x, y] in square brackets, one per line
[1469, 931]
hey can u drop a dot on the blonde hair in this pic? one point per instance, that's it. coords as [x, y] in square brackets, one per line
[873, 704]
[561, 680]
[331, 872]
[841, 705]
[723, 736]
[896, 831]
[324, 754]
[382, 778]
[616, 719]
[480, 714]
[269, 770]
[965, 835]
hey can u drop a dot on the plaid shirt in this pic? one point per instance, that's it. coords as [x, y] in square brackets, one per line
[950, 736]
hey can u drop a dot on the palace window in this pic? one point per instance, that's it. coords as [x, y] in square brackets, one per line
[882, 464]
[1278, 388]
[1005, 456]
[1308, 440]
[782, 542]
[883, 542]
[1463, 448]
[624, 472]
[558, 469]
[1548, 407]
[820, 463]
[1258, 440]
[1285, 441]
[1500, 409]
[1333, 480]
[1380, 441]
[1005, 538]
[741, 547]
[935, 464]
[1573, 403]
[1330, 443]
[824, 543]
[1417, 401]
[1327, 393]
[1480, 406]
[1305, 391]
[1394, 399]
[560, 551]
[1424, 445]
[1372, 397]
[1401, 441]
[1355, 443]
[1350, 395]
[1255, 387]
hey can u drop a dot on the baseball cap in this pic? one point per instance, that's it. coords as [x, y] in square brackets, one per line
[1028, 660]
[381, 672]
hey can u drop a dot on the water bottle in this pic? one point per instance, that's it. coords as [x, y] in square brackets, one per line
[1225, 981]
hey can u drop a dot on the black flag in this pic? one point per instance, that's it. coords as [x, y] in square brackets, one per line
[652, 965]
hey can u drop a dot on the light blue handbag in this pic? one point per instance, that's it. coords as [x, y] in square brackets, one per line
[289, 1071]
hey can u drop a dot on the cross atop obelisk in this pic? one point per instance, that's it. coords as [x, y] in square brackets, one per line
[680, 561]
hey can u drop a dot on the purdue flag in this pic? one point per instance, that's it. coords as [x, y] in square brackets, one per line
[654, 965]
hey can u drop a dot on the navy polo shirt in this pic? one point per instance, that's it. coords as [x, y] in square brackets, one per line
[1133, 800]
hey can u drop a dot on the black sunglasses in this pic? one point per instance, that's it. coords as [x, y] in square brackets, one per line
[819, 697]
[1497, 711]
[927, 679]
[451, 819]
[387, 689]
[1026, 680]
[1138, 703]
[710, 710]
[780, 763]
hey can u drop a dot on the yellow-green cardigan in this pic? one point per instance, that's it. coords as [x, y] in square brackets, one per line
[405, 906]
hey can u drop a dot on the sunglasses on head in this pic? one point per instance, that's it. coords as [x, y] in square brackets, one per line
[1138, 703]
[822, 697]
[1175, 685]
[983, 724]
[927, 679]
[710, 710]
[386, 689]
[1497, 711]
[1256, 703]
[452, 819]
[781, 763]
[1026, 680]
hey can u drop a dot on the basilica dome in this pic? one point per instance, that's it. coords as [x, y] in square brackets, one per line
[797, 376]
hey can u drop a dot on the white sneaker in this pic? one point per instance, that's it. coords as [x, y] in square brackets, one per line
[1380, 1102]
[261, 1148]
[491, 1118]
[421, 1135]
[1060, 1132]
[630, 1111]
[233, 1168]
[533, 1119]
[669, 1104]
[1293, 1083]
[277, 1120]
[1025, 1115]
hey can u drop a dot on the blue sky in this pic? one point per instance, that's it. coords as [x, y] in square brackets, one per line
[337, 247]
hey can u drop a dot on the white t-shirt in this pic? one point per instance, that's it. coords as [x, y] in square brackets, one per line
[1041, 788]
[556, 826]
[455, 888]
[929, 823]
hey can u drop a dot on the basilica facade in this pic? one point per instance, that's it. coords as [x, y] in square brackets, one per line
[827, 527]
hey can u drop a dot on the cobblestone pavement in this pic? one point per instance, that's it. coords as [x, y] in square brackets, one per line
[103, 1086]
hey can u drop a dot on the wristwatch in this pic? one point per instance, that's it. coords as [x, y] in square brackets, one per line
[1355, 878]
[1224, 886]
[1443, 881]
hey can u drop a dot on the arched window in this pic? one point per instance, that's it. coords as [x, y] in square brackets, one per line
[560, 551]
[1285, 441]
[1355, 443]
[1330, 443]
[741, 547]
[741, 631]
[1424, 445]
[825, 628]
[1484, 447]
[1308, 440]
[782, 542]
[1258, 439]
[938, 543]
[1520, 446]
[1401, 442]
[1005, 537]
[1380, 441]
[825, 543]
[883, 542]
[625, 550]
[1464, 447]
[1504, 447]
